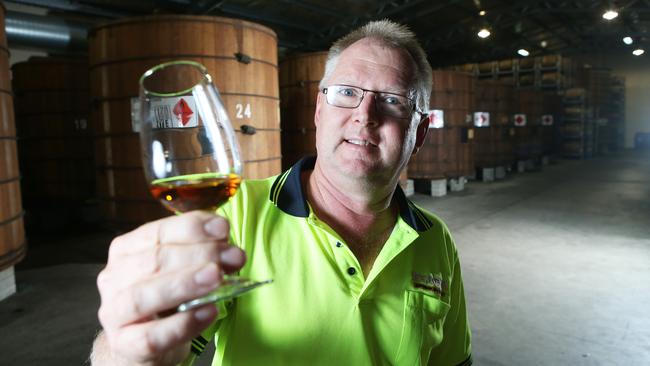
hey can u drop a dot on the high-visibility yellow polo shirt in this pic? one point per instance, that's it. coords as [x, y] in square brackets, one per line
[320, 308]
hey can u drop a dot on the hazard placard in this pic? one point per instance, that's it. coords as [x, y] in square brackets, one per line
[520, 120]
[436, 118]
[547, 120]
[482, 119]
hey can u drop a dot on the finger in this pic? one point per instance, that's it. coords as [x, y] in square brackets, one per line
[168, 258]
[149, 297]
[231, 259]
[147, 341]
[162, 259]
[191, 227]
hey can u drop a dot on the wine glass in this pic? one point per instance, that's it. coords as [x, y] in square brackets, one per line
[190, 153]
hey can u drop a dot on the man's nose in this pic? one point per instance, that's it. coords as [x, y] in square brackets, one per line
[366, 113]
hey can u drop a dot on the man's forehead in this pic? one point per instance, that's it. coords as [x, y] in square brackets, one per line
[373, 60]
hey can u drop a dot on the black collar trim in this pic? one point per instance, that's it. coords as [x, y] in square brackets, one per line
[288, 195]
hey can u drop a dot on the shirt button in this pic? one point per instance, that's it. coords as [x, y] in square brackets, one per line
[338, 244]
[352, 271]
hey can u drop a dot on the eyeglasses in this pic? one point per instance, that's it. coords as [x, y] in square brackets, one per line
[390, 104]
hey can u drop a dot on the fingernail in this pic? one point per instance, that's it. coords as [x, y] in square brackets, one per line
[205, 313]
[232, 256]
[207, 276]
[217, 227]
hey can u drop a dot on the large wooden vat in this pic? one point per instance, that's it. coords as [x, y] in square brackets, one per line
[12, 234]
[299, 78]
[447, 151]
[241, 57]
[551, 117]
[528, 138]
[453, 92]
[55, 145]
[493, 145]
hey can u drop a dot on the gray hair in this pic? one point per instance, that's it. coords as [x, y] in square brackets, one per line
[398, 36]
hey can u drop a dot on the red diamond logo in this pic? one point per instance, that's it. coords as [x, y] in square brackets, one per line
[183, 112]
[519, 119]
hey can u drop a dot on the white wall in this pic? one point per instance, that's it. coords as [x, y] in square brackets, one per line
[636, 71]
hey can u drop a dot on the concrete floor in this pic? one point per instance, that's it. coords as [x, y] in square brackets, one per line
[556, 268]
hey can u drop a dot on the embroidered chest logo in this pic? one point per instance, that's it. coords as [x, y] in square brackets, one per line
[430, 282]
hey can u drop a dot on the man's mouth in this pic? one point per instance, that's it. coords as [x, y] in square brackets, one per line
[360, 142]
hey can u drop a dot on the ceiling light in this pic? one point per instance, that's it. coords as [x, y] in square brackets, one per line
[610, 14]
[638, 52]
[484, 33]
[482, 13]
[543, 44]
[523, 52]
[628, 40]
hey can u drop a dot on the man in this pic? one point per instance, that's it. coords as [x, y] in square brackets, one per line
[361, 275]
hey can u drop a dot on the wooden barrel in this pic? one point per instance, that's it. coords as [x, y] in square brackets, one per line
[526, 63]
[55, 146]
[486, 67]
[506, 65]
[241, 57]
[12, 234]
[299, 78]
[551, 60]
[575, 93]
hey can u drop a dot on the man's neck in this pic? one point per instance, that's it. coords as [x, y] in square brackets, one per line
[364, 218]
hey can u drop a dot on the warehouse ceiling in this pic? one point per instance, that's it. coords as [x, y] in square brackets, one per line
[447, 28]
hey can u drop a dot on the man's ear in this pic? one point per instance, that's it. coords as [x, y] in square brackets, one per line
[319, 100]
[421, 133]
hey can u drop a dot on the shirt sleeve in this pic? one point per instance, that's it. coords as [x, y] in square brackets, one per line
[455, 348]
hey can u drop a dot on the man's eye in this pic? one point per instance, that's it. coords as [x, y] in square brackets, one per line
[388, 99]
[347, 92]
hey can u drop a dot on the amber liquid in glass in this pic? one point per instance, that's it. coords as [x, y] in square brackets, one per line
[203, 193]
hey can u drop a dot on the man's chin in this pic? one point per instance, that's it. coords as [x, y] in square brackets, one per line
[362, 169]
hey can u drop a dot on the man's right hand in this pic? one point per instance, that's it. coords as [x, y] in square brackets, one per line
[152, 270]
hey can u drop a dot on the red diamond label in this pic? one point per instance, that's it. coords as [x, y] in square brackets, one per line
[183, 112]
[520, 119]
[547, 120]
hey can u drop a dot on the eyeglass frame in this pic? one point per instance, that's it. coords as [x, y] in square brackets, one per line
[377, 92]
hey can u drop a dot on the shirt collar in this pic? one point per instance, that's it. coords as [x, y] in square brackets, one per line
[288, 195]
